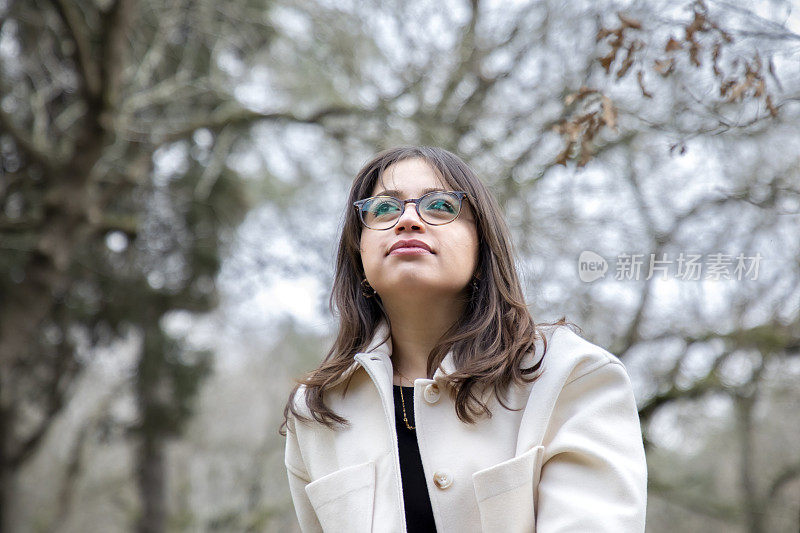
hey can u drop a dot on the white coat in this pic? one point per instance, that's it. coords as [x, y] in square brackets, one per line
[572, 460]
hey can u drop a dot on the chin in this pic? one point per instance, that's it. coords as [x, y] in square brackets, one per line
[422, 287]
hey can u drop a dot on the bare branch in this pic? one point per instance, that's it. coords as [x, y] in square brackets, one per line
[24, 143]
[212, 171]
[468, 55]
[709, 383]
[788, 475]
[726, 512]
[117, 21]
[154, 54]
[181, 85]
[237, 116]
[63, 374]
[776, 30]
[79, 33]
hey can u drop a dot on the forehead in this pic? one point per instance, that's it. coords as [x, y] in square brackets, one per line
[408, 179]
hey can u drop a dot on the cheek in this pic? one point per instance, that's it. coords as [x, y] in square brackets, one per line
[369, 250]
[363, 243]
[469, 241]
[463, 250]
[471, 251]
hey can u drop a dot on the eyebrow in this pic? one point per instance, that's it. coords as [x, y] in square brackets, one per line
[395, 192]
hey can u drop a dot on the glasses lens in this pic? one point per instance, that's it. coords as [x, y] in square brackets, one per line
[380, 212]
[439, 207]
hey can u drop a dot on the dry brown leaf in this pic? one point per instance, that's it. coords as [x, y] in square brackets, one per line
[609, 113]
[737, 91]
[629, 22]
[579, 130]
[573, 130]
[606, 60]
[699, 23]
[579, 95]
[628, 61]
[640, 79]
[664, 66]
[772, 109]
[694, 55]
[602, 33]
[672, 45]
[715, 59]
[726, 86]
[761, 88]
[586, 153]
[625, 66]
[563, 156]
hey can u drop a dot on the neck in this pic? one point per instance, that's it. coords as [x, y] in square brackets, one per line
[415, 333]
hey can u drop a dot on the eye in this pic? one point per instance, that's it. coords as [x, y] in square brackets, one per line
[383, 207]
[441, 205]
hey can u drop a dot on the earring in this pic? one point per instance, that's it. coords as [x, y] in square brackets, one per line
[475, 280]
[366, 289]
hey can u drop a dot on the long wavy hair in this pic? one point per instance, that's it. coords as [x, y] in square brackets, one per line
[489, 340]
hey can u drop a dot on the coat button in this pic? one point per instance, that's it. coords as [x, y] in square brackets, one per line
[442, 480]
[431, 393]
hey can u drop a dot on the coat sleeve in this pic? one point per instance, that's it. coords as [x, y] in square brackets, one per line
[298, 479]
[594, 472]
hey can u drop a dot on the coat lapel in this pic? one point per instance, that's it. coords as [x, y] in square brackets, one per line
[380, 350]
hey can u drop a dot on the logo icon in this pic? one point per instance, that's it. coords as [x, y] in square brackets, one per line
[591, 266]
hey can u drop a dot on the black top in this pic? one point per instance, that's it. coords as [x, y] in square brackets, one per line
[419, 514]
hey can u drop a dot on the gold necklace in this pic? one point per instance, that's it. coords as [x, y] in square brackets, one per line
[403, 401]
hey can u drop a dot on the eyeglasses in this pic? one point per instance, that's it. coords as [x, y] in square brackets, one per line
[435, 208]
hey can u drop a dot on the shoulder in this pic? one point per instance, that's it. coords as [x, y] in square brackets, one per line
[569, 356]
[299, 403]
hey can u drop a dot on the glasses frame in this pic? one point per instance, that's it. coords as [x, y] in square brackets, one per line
[359, 204]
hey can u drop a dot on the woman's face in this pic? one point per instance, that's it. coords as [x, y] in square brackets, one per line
[447, 268]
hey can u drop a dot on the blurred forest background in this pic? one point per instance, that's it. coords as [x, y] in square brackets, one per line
[173, 177]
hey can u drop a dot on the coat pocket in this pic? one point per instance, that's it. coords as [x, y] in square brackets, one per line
[344, 499]
[505, 493]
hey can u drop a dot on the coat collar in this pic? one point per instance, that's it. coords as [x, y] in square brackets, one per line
[379, 350]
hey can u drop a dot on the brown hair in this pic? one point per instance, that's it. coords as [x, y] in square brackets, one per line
[488, 341]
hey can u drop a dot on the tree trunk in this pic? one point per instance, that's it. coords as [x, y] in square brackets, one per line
[151, 430]
[6, 495]
[151, 485]
[6, 475]
[752, 506]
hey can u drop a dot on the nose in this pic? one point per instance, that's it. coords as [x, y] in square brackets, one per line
[409, 219]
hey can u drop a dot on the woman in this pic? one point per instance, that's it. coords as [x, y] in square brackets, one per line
[441, 405]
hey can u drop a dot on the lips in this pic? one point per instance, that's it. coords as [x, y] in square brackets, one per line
[410, 243]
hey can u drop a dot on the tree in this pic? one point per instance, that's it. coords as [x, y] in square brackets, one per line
[95, 240]
[671, 114]
[122, 123]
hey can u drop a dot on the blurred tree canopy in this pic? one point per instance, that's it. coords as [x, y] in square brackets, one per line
[97, 243]
[149, 149]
